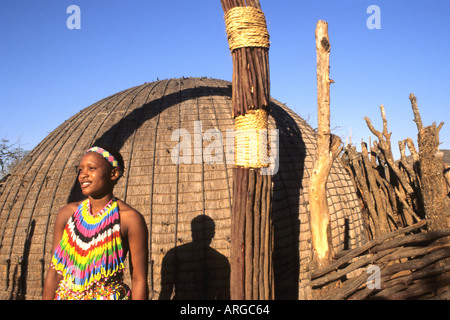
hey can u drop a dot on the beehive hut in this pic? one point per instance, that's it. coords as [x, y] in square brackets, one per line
[181, 202]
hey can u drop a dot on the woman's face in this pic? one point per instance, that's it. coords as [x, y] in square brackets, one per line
[95, 175]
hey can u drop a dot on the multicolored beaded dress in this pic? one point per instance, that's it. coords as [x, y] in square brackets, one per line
[90, 256]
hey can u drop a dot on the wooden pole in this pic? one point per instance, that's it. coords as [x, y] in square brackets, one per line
[251, 221]
[435, 201]
[328, 148]
[431, 171]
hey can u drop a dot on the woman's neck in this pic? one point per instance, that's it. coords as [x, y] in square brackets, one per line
[98, 203]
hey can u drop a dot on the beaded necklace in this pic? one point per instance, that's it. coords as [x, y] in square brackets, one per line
[105, 208]
[90, 249]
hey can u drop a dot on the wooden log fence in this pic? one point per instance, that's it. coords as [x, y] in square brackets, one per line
[397, 194]
[406, 210]
[406, 261]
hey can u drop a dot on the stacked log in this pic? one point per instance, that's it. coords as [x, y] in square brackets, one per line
[403, 262]
[396, 194]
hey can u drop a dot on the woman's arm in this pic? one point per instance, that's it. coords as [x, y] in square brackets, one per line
[51, 284]
[137, 233]
[53, 278]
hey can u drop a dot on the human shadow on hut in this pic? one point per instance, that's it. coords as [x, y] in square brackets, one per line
[195, 271]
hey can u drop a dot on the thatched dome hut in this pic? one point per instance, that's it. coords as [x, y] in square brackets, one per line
[140, 123]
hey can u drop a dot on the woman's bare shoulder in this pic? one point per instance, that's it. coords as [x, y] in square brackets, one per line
[66, 212]
[70, 207]
[125, 208]
[129, 215]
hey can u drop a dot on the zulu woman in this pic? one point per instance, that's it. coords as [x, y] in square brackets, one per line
[93, 237]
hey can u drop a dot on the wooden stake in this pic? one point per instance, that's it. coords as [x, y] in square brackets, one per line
[380, 209]
[436, 203]
[433, 185]
[328, 147]
[432, 178]
[417, 117]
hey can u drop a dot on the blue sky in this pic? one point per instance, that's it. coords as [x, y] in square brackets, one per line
[49, 72]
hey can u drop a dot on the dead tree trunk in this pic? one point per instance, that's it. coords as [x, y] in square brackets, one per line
[433, 191]
[328, 147]
[251, 221]
[433, 185]
[432, 178]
